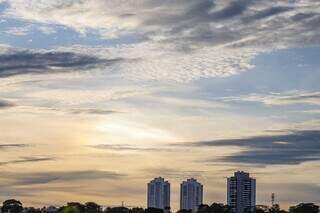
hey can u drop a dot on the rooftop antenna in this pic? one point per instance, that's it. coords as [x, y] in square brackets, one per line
[272, 199]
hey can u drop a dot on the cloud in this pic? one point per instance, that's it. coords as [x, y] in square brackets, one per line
[27, 160]
[154, 19]
[81, 96]
[234, 8]
[93, 111]
[46, 30]
[30, 178]
[128, 147]
[288, 149]
[162, 62]
[41, 188]
[285, 98]
[173, 172]
[18, 31]
[183, 40]
[29, 29]
[30, 62]
[5, 146]
[267, 13]
[6, 104]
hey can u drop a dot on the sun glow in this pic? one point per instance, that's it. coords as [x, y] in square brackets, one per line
[132, 132]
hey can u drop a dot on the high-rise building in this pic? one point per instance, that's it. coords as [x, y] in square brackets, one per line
[191, 195]
[241, 192]
[158, 194]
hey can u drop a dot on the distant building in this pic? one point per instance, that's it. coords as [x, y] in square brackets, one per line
[191, 195]
[241, 192]
[158, 194]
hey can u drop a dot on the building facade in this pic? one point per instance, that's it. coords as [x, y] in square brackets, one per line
[191, 195]
[158, 194]
[241, 192]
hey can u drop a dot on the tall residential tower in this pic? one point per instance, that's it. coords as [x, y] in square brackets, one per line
[191, 195]
[241, 192]
[159, 193]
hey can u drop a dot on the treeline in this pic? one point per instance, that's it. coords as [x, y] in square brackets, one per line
[221, 208]
[15, 206]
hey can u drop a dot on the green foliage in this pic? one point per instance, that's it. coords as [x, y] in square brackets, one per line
[75, 207]
[70, 209]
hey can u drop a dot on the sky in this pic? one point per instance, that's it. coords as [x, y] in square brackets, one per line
[98, 97]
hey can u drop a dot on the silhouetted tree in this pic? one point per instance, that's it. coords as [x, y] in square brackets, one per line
[220, 208]
[276, 209]
[214, 208]
[256, 210]
[304, 208]
[203, 208]
[31, 210]
[184, 211]
[91, 207]
[117, 210]
[136, 210]
[153, 210]
[167, 209]
[12, 206]
[260, 209]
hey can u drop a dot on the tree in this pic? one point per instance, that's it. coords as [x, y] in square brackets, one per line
[153, 210]
[73, 207]
[184, 211]
[257, 210]
[214, 208]
[12, 206]
[117, 210]
[167, 209]
[203, 208]
[219, 208]
[304, 208]
[78, 206]
[91, 207]
[70, 209]
[276, 209]
[136, 210]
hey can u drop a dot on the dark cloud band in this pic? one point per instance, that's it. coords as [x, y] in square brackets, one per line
[6, 104]
[27, 160]
[291, 148]
[26, 62]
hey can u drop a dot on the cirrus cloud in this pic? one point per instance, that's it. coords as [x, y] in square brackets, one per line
[284, 98]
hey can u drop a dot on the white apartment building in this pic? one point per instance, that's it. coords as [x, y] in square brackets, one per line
[158, 194]
[241, 192]
[191, 195]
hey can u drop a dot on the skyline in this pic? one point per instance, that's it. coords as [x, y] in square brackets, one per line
[97, 97]
[158, 196]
